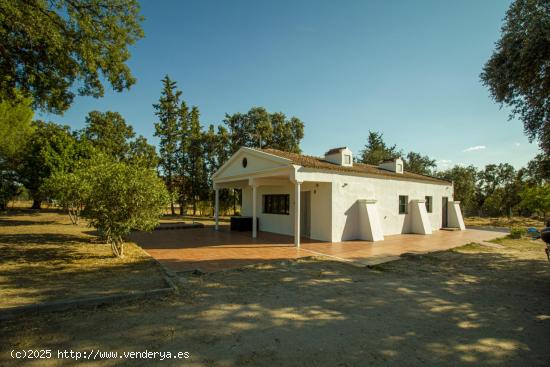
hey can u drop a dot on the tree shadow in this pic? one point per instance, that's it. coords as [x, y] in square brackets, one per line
[14, 222]
[445, 309]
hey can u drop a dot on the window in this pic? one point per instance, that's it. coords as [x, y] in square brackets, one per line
[403, 204]
[429, 202]
[276, 204]
[347, 159]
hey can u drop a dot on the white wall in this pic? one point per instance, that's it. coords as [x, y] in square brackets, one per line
[321, 209]
[321, 194]
[346, 190]
[335, 208]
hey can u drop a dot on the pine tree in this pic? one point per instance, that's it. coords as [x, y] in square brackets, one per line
[167, 111]
[376, 150]
[196, 161]
[182, 155]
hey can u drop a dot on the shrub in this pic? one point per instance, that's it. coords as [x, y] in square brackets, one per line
[517, 232]
[124, 197]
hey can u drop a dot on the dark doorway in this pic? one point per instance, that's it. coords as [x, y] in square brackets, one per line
[444, 206]
[305, 213]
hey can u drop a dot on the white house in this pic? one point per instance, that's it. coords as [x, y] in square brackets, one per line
[334, 198]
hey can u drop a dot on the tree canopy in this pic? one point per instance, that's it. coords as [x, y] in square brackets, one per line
[109, 132]
[418, 163]
[517, 73]
[376, 150]
[15, 127]
[51, 148]
[260, 129]
[49, 47]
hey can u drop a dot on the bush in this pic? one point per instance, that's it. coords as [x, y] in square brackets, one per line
[517, 232]
[123, 197]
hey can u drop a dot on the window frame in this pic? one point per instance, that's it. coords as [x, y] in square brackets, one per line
[405, 204]
[429, 204]
[277, 204]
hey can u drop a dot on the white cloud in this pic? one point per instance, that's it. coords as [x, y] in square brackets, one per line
[443, 163]
[517, 144]
[473, 149]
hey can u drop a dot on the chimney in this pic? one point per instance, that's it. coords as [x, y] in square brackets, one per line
[341, 156]
[393, 165]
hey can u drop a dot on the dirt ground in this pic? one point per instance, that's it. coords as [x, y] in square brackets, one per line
[43, 258]
[475, 305]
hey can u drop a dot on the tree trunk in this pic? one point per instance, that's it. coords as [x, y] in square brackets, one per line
[172, 209]
[36, 204]
[117, 246]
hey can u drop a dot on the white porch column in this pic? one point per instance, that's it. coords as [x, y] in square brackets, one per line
[297, 213]
[254, 215]
[217, 208]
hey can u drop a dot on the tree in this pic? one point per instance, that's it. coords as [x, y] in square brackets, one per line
[9, 187]
[498, 184]
[376, 150]
[123, 197]
[228, 197]
[70, 189]
[287, 134]
[182, 157]
[46, 47]
[15, 127]
[260, 129]
[143, 153]
[464, 182]
[15, 131]
[168, 112]
[239, 130]
[537, 171]
[418, 163]
[109, 132]
[210, 160]
[536, 199]
[51, 148]
[196, 159]
[517, 72]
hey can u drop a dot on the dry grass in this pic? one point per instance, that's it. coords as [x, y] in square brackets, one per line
[45, 258]
[503, 222]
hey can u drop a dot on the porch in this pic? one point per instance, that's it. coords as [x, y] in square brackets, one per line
[210, 250]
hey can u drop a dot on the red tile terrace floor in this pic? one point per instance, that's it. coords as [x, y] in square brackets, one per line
[210, 250]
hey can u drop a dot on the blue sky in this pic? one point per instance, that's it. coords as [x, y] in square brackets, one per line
[409, 69]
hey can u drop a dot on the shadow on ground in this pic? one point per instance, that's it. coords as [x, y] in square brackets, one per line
[444, 309]
[44, 262]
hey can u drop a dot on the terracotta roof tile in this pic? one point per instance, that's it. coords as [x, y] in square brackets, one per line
[367, 169]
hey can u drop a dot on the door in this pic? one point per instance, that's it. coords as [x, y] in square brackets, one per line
[444, 206]
[305, 213]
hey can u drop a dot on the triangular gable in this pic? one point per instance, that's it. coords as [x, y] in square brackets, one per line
[256, 161]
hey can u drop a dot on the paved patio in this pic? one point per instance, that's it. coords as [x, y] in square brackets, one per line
[210, 250]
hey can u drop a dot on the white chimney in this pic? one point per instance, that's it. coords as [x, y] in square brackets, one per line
[393, 165]
[341, 156]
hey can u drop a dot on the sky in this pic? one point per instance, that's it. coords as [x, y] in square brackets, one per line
[408, 69]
